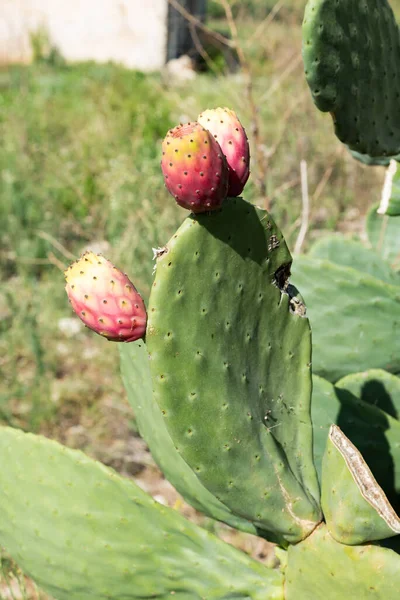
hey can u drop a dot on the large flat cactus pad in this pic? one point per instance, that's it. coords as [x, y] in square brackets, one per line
[230, 359]
[85, 533]
[351, 51]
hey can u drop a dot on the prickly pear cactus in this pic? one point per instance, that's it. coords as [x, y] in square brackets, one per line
[195, 169]
[135, 370]
[356, 508]
[346, 252]
[351, 51]
[343, 303]
[372, 428]
[224, 386]
[230, 357]
[376, 387]
[85, 533]
[105, 299]
[374, 161]
[226, 128]
[320, 567]
[221, 391]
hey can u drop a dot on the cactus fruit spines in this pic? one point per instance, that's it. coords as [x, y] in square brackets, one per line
[231, 136]
[105, 299]
[194, 168]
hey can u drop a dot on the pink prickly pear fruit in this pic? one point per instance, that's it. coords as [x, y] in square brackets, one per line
[105, 299]
[194, 168]
[231, 136]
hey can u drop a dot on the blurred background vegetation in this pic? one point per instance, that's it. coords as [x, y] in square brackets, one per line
[79, 168]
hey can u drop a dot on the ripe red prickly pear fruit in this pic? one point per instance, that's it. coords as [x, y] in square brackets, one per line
[194, 168]
[231, 136]
[105, 299]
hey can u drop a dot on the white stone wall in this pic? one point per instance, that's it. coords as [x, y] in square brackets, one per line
[132, 32]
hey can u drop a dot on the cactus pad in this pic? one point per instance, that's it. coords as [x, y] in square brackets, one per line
[230, 361]
[343, 303]
[375, 433]
[351, 51]
[135, 370]
[375, 161]
[376, 387]
[84, 533]
[356, 509]
[320, 567]
[350, 253]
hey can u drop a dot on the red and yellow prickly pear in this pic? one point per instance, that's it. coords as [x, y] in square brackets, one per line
[105, 299]
[194, 167]
[231, 136]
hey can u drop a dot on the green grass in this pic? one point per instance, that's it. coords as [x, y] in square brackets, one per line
[79, 164]
[76, 141]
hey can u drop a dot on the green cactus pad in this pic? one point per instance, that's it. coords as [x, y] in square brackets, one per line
[325, 410]
[383, 234]
[350, 253]
[230, 361]
[375, 433]
[376, 387]
[351, 50]
[321, 568]
[393, 208]
[355, 507]
[135, 369]
[84, 533]
[343, 304]
[374, 161]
